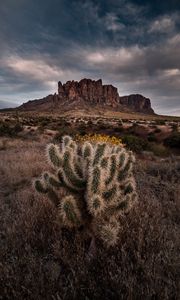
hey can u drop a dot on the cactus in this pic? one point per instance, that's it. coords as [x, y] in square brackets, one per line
[97, 183]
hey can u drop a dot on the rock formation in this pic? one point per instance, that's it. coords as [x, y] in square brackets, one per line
[89, 93]
[137, 103]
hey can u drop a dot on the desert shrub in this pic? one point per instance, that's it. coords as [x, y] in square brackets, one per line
[151, 137]
[160, 122]
[41, 129]
[134, 143]
[82, 129]
[5, 129]
[93, 186]
[174, 127]
[118, 129]
[10, 130]
[159, 149]
[17, 128]
[44, 123]
[173, 141]
[3, 144]
[90, 123]
[152, 126]
[65, 130]
[103, 126]
[168, 171]
[157, 130]
[132, 129]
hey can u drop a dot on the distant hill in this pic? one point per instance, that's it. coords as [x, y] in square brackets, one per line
[89, 94]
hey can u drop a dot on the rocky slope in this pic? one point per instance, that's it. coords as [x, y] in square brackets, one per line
[89, 93]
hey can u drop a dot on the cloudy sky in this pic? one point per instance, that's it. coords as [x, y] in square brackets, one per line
[134, 45]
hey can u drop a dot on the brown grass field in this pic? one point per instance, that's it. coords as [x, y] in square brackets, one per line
[38, 260]
[97, 112]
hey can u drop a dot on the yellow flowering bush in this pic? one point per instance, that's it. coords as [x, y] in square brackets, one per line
[99, 138]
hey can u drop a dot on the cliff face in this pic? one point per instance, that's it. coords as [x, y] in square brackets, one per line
[137, 103]
[89, 93]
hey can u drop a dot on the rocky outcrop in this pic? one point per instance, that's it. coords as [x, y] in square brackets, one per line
[137, 103]
[89, 93]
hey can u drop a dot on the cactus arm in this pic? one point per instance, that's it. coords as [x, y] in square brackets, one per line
[129, 188]
[123, 173]
[95, 183]
[54, 156]
[78, 168]
[87, 150]
[96, 205]
[66, 141]
[40, 186]
[70, 177]
[121, 159]
[53, 180]
[69, 212]
[104, 162]
[109, 234]
[109, 195]
[98, 153]
[112, 169]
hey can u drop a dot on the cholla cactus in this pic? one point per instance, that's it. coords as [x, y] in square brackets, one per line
[96, 182]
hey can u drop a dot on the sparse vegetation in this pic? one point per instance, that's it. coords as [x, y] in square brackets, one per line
[159, 150]
[39, 260]
[135, 143]
[151, 137]
[10, 130]
[173, 141]
[157, 130]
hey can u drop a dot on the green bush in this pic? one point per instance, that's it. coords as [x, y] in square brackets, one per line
[173, 141]
[135, 143]
[152, 137]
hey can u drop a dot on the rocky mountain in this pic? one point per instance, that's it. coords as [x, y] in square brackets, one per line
[137, 102]
[89, 93]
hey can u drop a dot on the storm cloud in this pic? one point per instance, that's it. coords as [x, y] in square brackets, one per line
[133, 45]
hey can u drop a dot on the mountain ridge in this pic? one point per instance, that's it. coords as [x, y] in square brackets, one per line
[88, 93]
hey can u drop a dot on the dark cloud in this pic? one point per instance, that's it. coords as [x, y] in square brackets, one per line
[131, 44]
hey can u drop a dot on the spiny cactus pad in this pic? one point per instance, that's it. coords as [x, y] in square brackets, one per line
[97, 184]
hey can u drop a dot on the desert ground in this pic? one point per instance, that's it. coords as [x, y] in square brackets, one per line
[39, 260]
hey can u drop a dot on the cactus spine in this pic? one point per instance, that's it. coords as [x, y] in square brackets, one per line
[96, 182]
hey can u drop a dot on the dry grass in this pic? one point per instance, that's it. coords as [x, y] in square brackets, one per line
[39, 261]
[96, 112]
